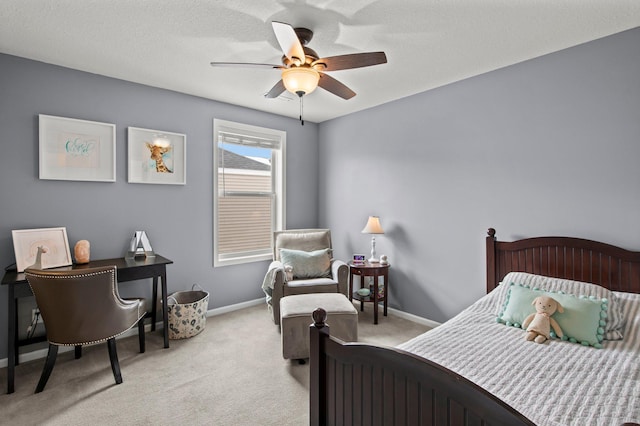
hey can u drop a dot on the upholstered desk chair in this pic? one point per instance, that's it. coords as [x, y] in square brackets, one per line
[83, 307]
[313, 273]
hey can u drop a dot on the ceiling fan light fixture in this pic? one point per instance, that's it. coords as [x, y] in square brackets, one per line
[300, 80]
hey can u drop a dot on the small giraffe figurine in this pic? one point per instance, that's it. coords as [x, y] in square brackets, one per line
[38, 263]
[156, 154]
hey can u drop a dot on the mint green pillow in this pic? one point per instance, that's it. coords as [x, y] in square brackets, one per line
[307, 264]
[583, 321]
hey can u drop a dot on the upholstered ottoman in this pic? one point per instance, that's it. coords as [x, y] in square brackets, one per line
[295, 319]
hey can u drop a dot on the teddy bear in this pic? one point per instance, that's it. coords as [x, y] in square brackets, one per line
[539, 324]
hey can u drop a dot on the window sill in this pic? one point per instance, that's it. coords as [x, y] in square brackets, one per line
[241, 259]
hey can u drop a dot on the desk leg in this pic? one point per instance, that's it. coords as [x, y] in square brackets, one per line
[165, 312]
[12, 347]
[154, 309]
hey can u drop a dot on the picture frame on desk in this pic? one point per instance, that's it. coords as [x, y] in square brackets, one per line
[359, 259]
[54, 243]
[72, 149]
[156, 157]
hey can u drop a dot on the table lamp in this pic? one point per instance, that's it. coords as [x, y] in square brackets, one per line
[373, 227]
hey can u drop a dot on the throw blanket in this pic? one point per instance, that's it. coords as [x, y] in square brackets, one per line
[269, 279]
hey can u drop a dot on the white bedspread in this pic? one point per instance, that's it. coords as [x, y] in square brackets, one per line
[556, 383]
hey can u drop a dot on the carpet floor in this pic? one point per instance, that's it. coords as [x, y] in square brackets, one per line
[232, 373]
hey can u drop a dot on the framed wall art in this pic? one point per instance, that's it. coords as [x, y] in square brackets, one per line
[73, 149]
[53, 241]
[156, 157]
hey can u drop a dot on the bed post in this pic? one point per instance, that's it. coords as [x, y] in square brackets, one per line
[491, 259]
[318, 333]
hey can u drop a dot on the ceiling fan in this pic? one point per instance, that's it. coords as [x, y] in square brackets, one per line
[303, 70]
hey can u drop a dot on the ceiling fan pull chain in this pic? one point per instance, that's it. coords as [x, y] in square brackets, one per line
[301, 119]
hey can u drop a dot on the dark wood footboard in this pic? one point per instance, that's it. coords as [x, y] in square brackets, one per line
[359, 384]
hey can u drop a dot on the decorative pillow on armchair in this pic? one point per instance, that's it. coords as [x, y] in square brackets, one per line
[307, 264]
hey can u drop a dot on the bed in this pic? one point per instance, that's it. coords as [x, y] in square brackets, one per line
[488, 374]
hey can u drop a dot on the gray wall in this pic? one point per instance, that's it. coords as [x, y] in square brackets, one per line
[545, 147]
[178, 219]
[549, 146]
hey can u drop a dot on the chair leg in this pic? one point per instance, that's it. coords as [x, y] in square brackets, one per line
[48, 367]
[141, 336]
[113, 357]
[78, 352]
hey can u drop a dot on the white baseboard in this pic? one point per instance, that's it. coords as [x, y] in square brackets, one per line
[414, 318]
[235, 307]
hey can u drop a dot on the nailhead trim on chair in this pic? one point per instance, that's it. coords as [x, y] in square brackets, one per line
[81, 275]
[93, 341]
[90, 274]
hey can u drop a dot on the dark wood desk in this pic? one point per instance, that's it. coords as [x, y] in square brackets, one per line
[128, 270]
[374, 270]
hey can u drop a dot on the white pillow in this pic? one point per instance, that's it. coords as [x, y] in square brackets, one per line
[307, 264]
[615, 319]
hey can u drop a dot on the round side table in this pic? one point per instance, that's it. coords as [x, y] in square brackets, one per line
[374, 270]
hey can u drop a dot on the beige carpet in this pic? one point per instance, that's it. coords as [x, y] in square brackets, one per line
[232, 373]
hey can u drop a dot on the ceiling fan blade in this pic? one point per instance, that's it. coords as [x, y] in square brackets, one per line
[245, 64]
[276, 90]
[354, 60]
[288, 40]
[332, 85]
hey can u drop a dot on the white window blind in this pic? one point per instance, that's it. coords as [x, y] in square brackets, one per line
[248, 191]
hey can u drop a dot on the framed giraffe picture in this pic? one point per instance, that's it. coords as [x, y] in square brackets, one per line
[156, 156]
[71, 149]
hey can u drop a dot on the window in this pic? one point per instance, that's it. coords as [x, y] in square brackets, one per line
[248, 191]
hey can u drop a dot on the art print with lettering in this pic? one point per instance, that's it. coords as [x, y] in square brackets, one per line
[78, 150]
[72, 149]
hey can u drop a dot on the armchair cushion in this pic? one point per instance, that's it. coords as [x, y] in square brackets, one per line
[312, 264]
[310, 282]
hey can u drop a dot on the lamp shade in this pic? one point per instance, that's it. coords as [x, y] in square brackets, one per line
[373, 226]
[300, 79]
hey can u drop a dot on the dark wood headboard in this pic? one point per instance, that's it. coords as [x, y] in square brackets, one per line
[564, 257]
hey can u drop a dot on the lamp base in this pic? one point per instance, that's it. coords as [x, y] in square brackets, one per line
[373, 260]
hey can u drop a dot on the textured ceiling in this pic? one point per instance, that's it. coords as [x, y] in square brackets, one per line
[429, 43]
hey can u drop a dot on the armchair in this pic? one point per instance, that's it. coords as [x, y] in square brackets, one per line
[277, 285]
[83, 307]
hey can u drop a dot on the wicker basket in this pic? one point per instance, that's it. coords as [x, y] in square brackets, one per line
[187, 312]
